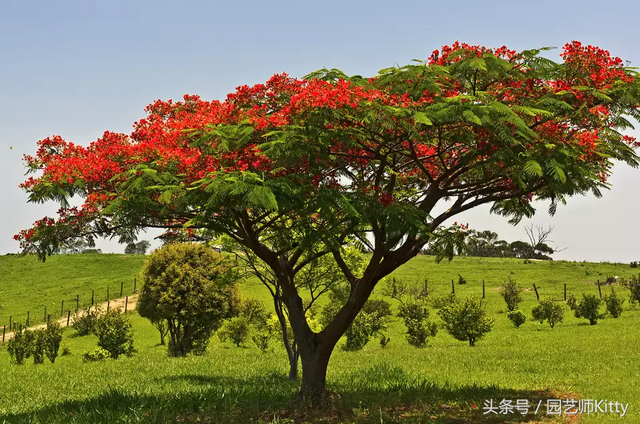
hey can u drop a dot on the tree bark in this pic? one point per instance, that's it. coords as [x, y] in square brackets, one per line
[314, 373]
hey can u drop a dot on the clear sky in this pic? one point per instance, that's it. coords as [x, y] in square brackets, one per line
[78, 68]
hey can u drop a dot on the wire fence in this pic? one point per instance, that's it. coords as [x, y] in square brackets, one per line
[67, 307]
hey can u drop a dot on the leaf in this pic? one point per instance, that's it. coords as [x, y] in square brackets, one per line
[532, 168]
[471, 117]
[422, 118]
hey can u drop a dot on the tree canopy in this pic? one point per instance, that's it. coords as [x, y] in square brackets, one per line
[294, 169]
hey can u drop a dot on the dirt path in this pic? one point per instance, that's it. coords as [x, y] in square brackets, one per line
[113, 304]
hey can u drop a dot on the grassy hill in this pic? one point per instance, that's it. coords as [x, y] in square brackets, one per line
[28, 285]
[396, 384]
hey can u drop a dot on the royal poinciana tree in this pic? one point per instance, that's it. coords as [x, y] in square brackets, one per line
[296, 169]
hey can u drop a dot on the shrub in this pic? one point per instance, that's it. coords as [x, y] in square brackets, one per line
[517, 317]
[51, 338]
[461, 279]
[235, 330]
[440, 302]
[36, 345]
[466, 320]
[634, 287]
[510, 292]
[192, 287]
[114, 334]
[98, 354]
[634, 264]
[572, 302]
[66, 351]
[254, 311]
[384, 340]
[416, 318]
[613, 304]
[589, 308]
[548, 310]
[19, 347]
[85, 323]
[371, 320]
[262, 339]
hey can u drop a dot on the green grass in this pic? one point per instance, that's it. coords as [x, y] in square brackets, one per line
[27, 285]
[439, 383]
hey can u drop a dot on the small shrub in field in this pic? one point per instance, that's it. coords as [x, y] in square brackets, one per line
[371, 320]
[85, 323]
[613, 304]
[384, 340]
[359, 332]
[254, 311]
[262, 339]
[634, 287]
[114, 334]
[572, 302]
[517, 317]
[589, 308]
[634, 264]
[19, 348]
[610, 279]
[235, 330]
[440, 302]
[548, 310]
[416, 318]
[466, 320]
[98, 354]
[510, 292]
[37, 345]
[66, 351]
[461, 279]
[51, 339]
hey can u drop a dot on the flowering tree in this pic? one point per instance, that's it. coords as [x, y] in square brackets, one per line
[296, 169]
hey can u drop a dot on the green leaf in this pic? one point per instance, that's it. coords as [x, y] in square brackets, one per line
[532, 168]
[471, 117]
[422, 118]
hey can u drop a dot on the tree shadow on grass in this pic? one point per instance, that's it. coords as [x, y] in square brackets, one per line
[379, 394]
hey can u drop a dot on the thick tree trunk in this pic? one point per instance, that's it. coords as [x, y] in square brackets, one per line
[314, 373]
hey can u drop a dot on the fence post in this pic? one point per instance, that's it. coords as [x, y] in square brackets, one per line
[44, 318]
[48, 317]
[108, 303]
[126, 302]
[10, 318]
[68, 317]
[536, 289]
[4, 330]
[453, 288]
[565, 292]
[62, 309]
[27, 318]
[121, 287]
[600, 289]
[77, 302]
[483, 289]
[92, 292]
[135, 285]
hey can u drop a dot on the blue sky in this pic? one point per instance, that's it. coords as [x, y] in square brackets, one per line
[78, 68]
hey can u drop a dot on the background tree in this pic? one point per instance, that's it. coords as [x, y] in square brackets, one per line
[192, 287]
[295, 169]
[139, 248]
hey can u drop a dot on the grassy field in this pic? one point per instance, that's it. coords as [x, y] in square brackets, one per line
[440, 383]
[27, 285]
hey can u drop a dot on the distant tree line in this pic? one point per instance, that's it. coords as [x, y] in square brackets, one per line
[488, 244]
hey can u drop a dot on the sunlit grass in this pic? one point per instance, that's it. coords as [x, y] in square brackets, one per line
[439, 383]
